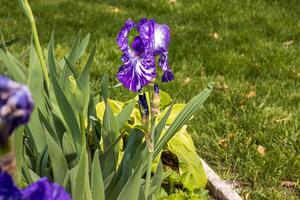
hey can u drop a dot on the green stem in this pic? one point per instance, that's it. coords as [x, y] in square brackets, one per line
[36, 40]
[150, 158]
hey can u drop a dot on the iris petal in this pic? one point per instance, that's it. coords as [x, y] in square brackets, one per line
[137, 72]
[7, 188]
[122, 38]
[163, 63]
[161, 37]
[138, 45]
[43, 189]
[138, 67]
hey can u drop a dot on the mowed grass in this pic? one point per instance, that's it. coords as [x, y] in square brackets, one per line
[249, 129]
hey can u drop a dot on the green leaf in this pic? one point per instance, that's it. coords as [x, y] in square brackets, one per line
[83, 45]
[72, 57]
[67, 144]
[48, 127]
[161, 124]
[18, 141]
[13, 68]
[9, 43]
[165, 99]
[104, 87]
[124, 115]
[71, 68]
[110, 125]
[157, 181]
[64, 106]
[84, 79]
[132, 188]
[192, 174]
[36, 86]
[81, 187]
[96, 179]
[58, 161]
[189, 110]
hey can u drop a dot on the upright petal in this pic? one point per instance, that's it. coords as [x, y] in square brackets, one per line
[137, 71]
[122, 38]
[146, 29]
[161, 37]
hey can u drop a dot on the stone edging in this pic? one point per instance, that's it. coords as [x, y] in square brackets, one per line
[218, 188]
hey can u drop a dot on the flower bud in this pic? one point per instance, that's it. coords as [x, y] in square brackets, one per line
[76, 93]
[144, 108]
[155, 101]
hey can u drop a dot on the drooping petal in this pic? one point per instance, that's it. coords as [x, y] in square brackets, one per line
[44, 190]
[122, 38]
[137, 71]
[7, 188]
[163, 63]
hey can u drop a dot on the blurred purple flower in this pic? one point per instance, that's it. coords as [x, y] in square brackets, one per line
[138, 67]
[40, 190]
[7, 188]
[16, 105]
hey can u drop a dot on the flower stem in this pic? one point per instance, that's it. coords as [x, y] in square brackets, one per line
[37, 45]
[150, 158]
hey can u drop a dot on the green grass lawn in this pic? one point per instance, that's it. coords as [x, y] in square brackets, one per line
[249, 130]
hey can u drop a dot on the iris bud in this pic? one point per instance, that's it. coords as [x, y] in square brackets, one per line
[76, 93]
[155, 101]
[144, 108]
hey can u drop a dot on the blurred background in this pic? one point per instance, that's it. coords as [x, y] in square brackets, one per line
[249, 129]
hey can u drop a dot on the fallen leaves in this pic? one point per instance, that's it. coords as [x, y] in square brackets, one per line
[187, 80]
[172, 1]
[216, 36]
[251, 94]
[288, 184]
[285, 119]
[261, 150]
[223, 143]
[288, 43]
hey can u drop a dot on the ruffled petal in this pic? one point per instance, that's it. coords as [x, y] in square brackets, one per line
[146, 30]
[161, 37]
[122, 38]
[137, 71]
[43, 189]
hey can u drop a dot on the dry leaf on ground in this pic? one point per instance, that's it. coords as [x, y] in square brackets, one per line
[288, 184]
[261, 150]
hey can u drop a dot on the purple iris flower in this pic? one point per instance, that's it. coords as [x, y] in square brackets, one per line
[40, 190]
[16, 105]
[139, 62]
